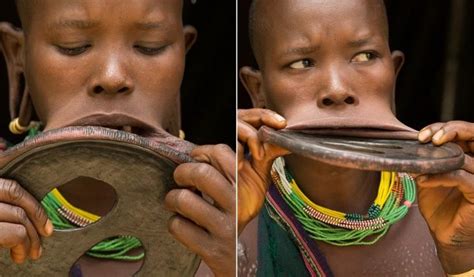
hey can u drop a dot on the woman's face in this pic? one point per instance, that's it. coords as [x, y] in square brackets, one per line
[109, 63]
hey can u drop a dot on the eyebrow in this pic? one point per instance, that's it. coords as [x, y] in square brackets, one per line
[359, 42]
[149, 25]
[301, 50]
[74, 24]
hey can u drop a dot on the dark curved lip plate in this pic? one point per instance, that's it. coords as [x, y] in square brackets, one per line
[368, 154]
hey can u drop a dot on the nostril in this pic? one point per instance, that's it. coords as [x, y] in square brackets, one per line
[327, 102]
[349, 100]
[98, 89]
[124, 89]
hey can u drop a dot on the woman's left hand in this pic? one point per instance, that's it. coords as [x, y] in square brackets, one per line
[446, 200]
[207, 229]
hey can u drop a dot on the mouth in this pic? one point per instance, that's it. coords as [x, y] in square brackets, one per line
[119, 122]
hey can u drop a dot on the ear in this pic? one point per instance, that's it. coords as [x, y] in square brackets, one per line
[398, 59]
[190, 36]
[252, 80]
[11, 45]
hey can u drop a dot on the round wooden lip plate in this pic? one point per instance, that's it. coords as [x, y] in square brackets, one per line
[140, 171]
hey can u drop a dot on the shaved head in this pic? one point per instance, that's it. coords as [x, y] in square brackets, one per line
[25, 7]
[260, 16]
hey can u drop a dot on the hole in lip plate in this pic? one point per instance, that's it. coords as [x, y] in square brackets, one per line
[79, 202]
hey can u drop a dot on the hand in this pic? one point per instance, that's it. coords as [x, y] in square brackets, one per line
[254, 173]
[22, 221]
[206, 229]
[446, 200]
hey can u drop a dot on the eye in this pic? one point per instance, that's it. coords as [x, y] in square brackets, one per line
[364, 57]
[150, 51]
[73, 51]
[302, 64]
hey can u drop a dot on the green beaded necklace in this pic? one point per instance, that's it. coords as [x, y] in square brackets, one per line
[65, 218]
[396, 194]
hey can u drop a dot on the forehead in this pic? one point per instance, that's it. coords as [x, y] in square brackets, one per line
[70, 13]
[301, 19]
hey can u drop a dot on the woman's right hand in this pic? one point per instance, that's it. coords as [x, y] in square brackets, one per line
[22, 222]
[254, 171]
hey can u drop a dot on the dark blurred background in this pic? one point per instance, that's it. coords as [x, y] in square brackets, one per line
[437, 80]
[208, 91]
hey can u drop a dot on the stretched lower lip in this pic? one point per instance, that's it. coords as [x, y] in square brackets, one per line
[351, 123]
[143, 132]
[120, 122]
[356, 128]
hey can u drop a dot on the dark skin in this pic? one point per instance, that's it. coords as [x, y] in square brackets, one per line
[120, 65]
[319, 50]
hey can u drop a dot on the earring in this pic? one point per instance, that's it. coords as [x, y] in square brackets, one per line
[17, 129]
[182, 135]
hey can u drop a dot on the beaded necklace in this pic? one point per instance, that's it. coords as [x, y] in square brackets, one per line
[395, 196]
[65, 216]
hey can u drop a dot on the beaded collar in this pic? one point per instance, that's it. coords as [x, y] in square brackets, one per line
[396, 193]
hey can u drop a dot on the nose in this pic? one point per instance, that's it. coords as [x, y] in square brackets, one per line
[336, 92]
[111, 77]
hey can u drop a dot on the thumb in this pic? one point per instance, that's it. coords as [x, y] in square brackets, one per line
[263, 166]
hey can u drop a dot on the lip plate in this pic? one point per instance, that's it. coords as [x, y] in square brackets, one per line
[366, 153]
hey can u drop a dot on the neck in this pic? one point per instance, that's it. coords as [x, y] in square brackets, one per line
[337, 188]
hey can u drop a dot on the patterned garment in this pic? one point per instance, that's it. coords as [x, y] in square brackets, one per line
[285, 249]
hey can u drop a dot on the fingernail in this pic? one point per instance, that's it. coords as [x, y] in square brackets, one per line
[438, 135]
[49, 228]
[280, 118]
[424, 135]
[40, 252]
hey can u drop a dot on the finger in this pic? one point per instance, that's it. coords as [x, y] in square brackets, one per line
[220, 156]
[454, 131]
[190, 235]
[259, 117]
[248, 135]
[240, 155]
[208, 180]
[427, 133]
[195, 208]
[13, 214]
[468, 164]
[15, 237]
[274, 151]
[11, 192]
[466, 146]
[461, 179]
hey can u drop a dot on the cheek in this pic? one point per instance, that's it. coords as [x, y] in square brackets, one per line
[51, 79]
[287, 95]
[377, 82]
[159, 79]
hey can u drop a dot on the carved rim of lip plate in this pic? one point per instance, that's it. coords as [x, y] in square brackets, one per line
[169, 146]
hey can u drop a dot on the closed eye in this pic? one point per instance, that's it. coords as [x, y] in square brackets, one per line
[150, 51]
[302, 64]
[73, 51]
